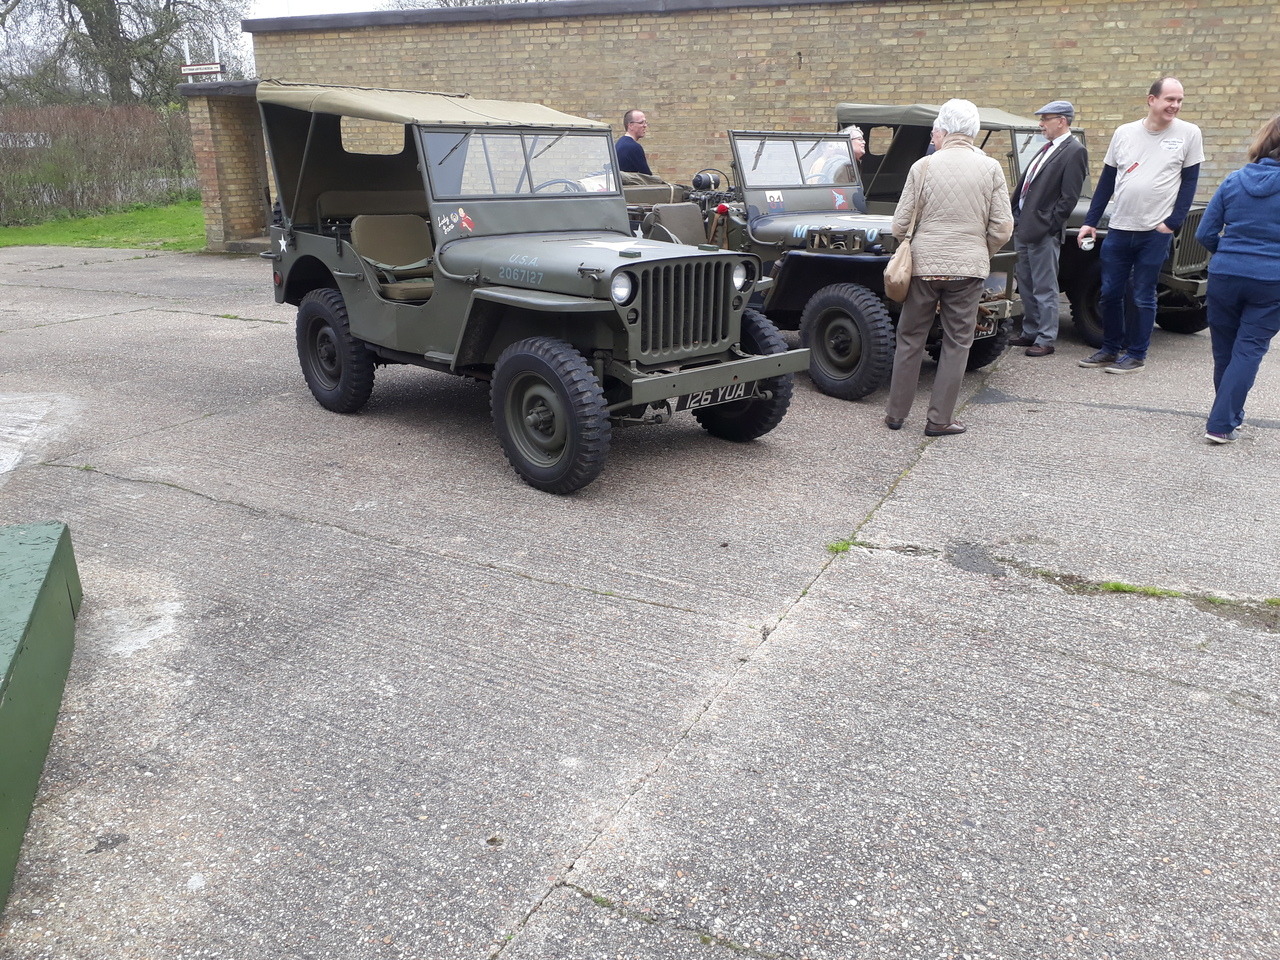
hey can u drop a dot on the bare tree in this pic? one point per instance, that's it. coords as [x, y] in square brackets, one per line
[120, 51]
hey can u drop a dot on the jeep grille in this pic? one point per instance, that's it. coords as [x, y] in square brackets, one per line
[1188, 255]
[684, 307]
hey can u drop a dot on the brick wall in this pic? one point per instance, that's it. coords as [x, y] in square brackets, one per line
[230, 162]
[699, 67]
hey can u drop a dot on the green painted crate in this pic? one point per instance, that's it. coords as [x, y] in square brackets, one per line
[39, 597]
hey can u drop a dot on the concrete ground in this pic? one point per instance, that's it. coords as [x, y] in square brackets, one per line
[345, 688]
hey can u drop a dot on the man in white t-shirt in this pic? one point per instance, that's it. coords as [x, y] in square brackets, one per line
[1150, 170]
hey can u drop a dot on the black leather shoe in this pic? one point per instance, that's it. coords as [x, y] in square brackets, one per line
[894, 423]
[1022, 342]
[944, 429]
[1040, 350]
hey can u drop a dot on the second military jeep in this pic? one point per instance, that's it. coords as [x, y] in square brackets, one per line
[898, 135]
[797, 202]
[490, 239]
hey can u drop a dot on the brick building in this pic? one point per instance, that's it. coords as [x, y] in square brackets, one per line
[699, 67]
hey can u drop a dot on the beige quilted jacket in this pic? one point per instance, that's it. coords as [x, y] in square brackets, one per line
[964, 216]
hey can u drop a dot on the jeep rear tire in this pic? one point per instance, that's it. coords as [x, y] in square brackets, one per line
[337, 367]
[549, 414]
[744, 420]
[983, 352]
[1083, 295]
[851, 338]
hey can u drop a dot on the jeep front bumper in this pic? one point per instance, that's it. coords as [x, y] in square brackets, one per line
[655, 387]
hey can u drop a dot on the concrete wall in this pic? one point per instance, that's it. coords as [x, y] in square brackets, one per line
[699, 67]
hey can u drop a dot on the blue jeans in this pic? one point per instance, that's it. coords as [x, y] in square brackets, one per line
[1130, 260]
[1244, 315]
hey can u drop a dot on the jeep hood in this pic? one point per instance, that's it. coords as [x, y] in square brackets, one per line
[559, 262]
[791, 228]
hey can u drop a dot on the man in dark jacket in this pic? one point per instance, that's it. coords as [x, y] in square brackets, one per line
[1042, 201]
[631, 158]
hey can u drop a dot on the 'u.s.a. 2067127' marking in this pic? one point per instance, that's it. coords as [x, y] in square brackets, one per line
[521, 275]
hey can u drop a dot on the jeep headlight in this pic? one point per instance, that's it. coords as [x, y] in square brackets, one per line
[622, 287]
[743, 276]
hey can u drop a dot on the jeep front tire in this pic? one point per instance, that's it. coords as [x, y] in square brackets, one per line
[744, 420]
[851, 338]
[549, 413]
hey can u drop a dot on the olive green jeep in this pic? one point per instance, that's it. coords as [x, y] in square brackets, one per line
[796, 201]
[490, 239]
[898, 135]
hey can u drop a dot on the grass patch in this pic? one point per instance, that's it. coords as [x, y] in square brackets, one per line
[840, 546]
[178, 226]
[1112, 586]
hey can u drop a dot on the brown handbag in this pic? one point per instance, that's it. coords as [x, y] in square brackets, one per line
[897, 274]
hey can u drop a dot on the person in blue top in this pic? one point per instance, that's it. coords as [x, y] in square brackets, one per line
[1241, 228]
[631, 158]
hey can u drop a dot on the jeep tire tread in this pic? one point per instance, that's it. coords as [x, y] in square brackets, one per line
[744, 420]
[1085, 313]
[337, 367]
[549, 413]
[851, 338]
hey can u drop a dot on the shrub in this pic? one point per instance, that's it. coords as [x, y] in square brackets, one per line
[76, 160]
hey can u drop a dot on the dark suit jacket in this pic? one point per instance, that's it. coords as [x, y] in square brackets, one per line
[1053, 193]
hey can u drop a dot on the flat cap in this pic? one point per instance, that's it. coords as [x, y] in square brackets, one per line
[1060, 107]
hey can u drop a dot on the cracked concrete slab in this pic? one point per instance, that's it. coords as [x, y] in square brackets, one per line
[345, 687]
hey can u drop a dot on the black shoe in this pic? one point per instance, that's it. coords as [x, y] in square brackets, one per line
[894, 423]
[944, 429]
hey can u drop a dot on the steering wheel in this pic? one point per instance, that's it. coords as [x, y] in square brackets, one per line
[573, 186]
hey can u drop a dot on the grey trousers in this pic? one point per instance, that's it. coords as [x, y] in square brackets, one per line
[1037, 273]
[955, 303]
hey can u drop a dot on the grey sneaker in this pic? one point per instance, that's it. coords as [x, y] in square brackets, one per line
[1099, 359]
[1125, 364]
[1231, 437]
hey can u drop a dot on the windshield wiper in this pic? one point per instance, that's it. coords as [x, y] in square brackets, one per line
[465, 137]
[548, 146]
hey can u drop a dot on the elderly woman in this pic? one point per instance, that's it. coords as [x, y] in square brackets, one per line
[960, 203]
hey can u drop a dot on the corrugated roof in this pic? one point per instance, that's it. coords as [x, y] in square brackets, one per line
[413, 106]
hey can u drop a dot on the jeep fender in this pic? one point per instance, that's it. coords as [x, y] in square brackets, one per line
[499, 316]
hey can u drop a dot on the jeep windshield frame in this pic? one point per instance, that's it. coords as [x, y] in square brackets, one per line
[467, 163]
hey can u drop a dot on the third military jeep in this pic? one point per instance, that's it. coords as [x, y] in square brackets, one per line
[898, 135]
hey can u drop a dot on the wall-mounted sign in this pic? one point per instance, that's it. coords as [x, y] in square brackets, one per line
[195, 69]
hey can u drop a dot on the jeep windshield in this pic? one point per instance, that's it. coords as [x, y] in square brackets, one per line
[772, 160]
[470, 164]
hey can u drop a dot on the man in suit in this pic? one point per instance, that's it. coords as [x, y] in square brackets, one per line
[1042, 201]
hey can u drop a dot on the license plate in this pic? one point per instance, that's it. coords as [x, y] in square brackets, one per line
[986, 327]
[709, 398]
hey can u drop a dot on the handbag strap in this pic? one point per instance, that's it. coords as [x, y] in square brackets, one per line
[915, 209]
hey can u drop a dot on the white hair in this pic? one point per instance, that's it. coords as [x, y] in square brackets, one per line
[853, 132]
[958, 116]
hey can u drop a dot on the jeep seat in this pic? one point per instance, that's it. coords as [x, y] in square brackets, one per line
[399, 248]
[677, 222]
